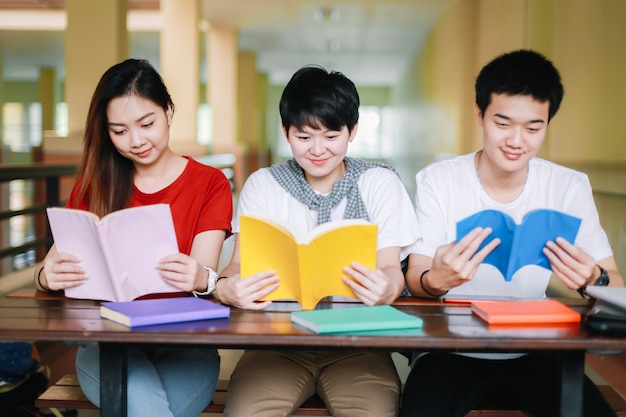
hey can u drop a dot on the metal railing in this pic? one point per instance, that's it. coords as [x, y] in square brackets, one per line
[46, 193]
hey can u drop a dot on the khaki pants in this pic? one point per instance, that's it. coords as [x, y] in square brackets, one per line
[351, 383]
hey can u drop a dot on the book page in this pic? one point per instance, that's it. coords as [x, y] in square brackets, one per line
[330, 253]
[74, 232]
[537, 228]
[275, 221]
[263, 247]
[120, 253]
[135, 240]
[329, 227]
[523, 244]
[503, 228]
[295, 233]
[310, 272]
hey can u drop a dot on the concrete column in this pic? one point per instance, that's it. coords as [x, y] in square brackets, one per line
[5, 264]
[262, 87]
[222, 87]
[95, 39]
[252, 97]
[1, 105]
[180, 69]
[222, 63]
[47, 97]
[247, 96]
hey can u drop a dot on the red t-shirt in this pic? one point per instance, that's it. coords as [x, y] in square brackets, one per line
[200, 200]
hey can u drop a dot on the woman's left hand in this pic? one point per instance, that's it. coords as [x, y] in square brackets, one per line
[183, 272]
[571, 264]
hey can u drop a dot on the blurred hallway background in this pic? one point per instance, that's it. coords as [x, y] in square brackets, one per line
[226, 62]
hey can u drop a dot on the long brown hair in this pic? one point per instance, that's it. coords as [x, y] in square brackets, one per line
[106, 177]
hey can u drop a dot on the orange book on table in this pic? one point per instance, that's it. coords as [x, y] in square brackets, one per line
[525, 312]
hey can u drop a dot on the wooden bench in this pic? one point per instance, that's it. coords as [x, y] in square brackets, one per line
[66, 393]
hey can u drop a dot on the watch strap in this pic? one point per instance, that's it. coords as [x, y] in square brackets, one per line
[602, 281]
[211, 281]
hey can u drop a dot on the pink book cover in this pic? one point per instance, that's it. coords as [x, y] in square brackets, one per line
[120, 252]
[162, 310]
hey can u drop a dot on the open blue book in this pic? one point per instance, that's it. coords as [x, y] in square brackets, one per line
[522, 244]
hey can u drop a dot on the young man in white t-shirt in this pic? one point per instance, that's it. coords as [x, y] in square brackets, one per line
[517, 95]
[319, 113]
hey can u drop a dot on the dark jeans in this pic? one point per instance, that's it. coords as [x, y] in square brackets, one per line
[450, 385]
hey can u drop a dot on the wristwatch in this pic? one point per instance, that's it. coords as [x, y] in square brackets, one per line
[602, 281]
[211, 280]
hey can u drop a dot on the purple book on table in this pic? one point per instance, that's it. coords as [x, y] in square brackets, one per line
[162, 310]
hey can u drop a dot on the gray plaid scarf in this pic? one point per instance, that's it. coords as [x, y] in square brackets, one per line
[290, 176]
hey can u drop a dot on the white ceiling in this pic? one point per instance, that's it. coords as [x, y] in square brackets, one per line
[371, 41]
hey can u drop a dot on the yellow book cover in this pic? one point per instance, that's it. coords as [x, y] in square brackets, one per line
[310, 267]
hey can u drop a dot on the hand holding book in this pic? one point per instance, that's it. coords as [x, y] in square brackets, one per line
[310, 267]
[120, 253]
[522, 244]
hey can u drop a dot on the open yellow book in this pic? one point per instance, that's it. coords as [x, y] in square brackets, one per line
[310, 267]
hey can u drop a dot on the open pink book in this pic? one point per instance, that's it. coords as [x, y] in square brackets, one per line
[120, 252]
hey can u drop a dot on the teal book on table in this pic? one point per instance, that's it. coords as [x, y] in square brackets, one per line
[520, 244]
[355, 319]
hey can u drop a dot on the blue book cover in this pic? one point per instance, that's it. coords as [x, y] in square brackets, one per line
[162, 310]
[520, 244]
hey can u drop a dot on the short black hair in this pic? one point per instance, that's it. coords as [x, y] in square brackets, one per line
[315, 96]
[521, 72]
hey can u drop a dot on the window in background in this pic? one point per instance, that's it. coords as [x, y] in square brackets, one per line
[61, 117]
[21, 132]
[21, 228]
[22, 126]
[205, 125]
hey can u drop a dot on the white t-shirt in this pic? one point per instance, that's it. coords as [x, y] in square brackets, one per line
[449, 191]
[387, 202]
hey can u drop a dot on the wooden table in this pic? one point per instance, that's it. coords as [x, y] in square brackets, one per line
[447, 327]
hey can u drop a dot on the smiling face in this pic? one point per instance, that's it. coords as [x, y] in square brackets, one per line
[138, 128]
[320, 152]
[514, 128]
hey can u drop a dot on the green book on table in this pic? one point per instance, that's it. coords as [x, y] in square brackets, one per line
[355, 319]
